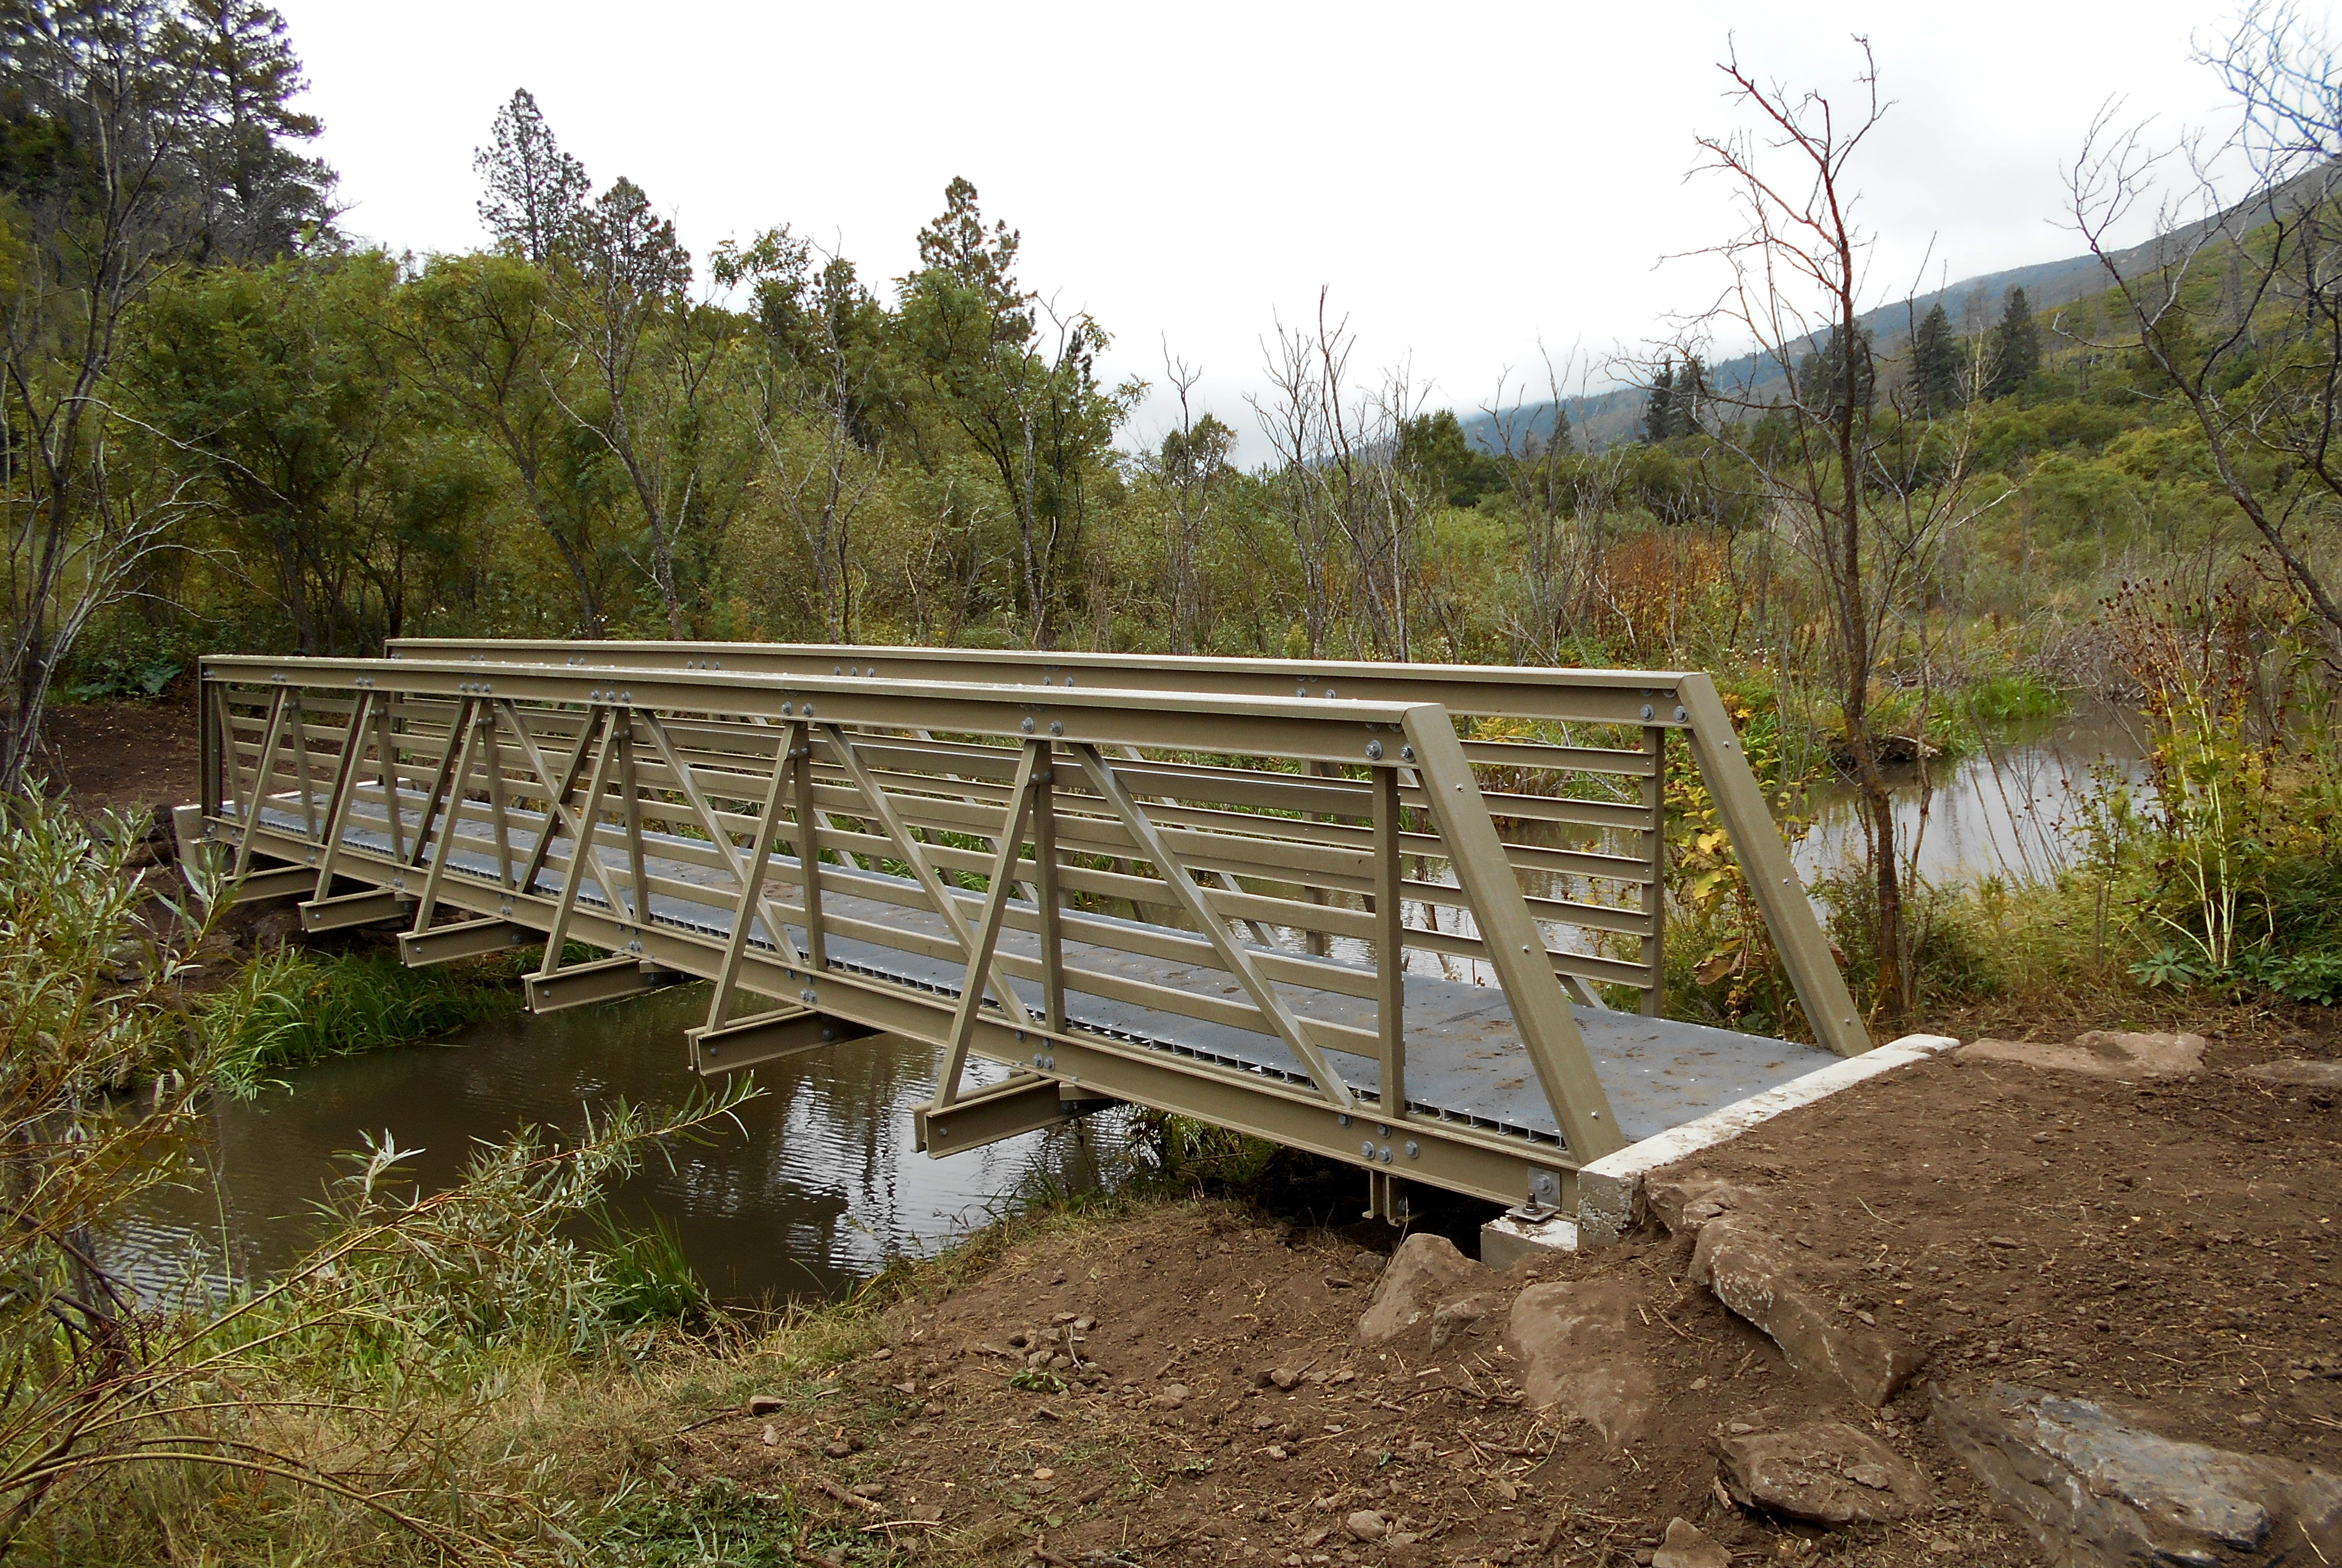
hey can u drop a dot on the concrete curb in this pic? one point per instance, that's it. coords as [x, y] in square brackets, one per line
[1608, 1188]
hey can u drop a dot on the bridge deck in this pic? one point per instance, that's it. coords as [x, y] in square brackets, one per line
[1465, 1060]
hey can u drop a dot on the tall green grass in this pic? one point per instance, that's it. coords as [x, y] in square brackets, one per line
[294, 1008]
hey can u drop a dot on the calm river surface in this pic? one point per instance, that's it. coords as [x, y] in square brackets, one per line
[2009, 810]
[819, 1191]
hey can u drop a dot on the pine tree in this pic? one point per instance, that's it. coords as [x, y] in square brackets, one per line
[1825, 377]
[1935, 363]
[1559, 437]
[957, 243]
[1658, 413]
[261, 199]
[1687, 407]
[535, 192]
[2016, 354]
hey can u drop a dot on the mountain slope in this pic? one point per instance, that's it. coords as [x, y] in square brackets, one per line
[1603, 418]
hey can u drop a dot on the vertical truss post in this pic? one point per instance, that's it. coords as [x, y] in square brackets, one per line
[1655, 853]
[300, 731]
[231, 789]
[493, 753]
[1045, 886]
[392, 806]
[346, 785]
[213, 700]
[1772, 880]
[808, 843]
[622, 731]
[1010, 843]
[1390, 947]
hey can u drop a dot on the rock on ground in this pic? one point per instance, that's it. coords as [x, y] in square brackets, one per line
[1757, 1277]
[1424, 1275]
[1578, 1355]
[2100, 1053]
[2097, 1491]
[1685, 1202]
[1827, 1473]
[1686, 1547]
[2296, 1070]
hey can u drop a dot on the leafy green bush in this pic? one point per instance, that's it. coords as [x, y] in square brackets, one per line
[2236, 879]
[125, 657]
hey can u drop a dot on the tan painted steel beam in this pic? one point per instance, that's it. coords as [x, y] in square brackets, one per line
[1764, 862]
[1515, 949]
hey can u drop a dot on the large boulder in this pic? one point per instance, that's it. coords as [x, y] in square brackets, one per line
[1758, 1277]
[2097, 1491]
[1827, 1473]
[1578, 1355]
[1424, 1275]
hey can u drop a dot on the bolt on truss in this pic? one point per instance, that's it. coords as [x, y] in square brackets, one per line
[1325, 918]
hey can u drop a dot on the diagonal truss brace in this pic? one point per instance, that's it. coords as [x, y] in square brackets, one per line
[581, 834]
[1207, 919]
[1581, 1106]
[908, 848]
[987, 930]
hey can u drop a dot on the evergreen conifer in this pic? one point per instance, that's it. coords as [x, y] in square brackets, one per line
[1935, 363]
[2016, 348]
[1658, 413]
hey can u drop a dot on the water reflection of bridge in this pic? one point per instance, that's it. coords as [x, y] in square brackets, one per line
[1371, 911]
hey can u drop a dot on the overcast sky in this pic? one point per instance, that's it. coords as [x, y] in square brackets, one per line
[1467, 181]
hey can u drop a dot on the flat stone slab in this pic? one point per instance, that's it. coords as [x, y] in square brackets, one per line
[1761, 1278]
[2100, 1053]
[2097, 1491]
[2296, 1070]
[1826, 1473]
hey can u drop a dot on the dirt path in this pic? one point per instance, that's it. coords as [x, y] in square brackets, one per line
[2164, 1247]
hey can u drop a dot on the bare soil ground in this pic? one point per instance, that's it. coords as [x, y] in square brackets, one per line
[2164, 1247]
[123, 757]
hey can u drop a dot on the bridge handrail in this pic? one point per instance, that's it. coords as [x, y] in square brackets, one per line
[1658, 701]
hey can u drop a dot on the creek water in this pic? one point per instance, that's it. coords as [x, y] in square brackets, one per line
[2012, 810]
[813, 1190]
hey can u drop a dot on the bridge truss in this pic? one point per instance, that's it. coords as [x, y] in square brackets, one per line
[1370, 911]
